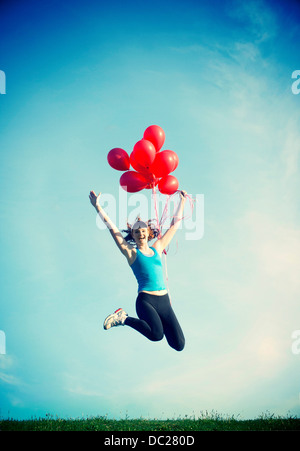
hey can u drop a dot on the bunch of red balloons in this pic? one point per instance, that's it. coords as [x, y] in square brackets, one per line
[152, 166]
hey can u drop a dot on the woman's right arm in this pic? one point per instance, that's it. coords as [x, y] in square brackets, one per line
[122, 244]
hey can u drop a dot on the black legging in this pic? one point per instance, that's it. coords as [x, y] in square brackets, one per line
[157, 319]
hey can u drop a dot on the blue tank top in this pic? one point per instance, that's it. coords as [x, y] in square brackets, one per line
[148, 271]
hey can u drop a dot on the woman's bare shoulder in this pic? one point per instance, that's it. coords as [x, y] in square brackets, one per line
[157, 247]
[131, 255]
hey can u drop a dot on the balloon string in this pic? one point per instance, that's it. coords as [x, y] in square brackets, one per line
[165, 211]
[191, 201]
[166, 275]
[163, 219]
[164, 215]
[159, 224]
[156, 211]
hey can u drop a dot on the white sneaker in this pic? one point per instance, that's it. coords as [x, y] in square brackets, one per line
[115, 319]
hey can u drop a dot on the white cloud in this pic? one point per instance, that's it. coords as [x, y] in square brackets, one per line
[8, 379]
[291, 149]
[7, 363]
[275, 245]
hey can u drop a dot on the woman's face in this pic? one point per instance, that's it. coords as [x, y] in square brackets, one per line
[140, 235]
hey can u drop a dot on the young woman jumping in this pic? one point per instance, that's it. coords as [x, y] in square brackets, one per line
[156, 317]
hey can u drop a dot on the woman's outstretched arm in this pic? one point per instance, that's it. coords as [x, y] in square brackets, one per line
[165, 240]
[122, 244]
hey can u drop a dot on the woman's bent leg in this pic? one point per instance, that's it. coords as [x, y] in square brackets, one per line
[156, 319]
[173, 331]
[171, 326]
[149, 323]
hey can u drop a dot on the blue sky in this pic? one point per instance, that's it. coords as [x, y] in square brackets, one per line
[84, 77]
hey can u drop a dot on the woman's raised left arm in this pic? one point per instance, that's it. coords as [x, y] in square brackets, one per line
[165, 240]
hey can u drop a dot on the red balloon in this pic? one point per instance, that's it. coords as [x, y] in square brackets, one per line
[152, 181]
[168, 184]
[139, 168]
[118, 159]
[156, 135]
[176, 160]
[132, 181]
[143, 155]
[164, 163]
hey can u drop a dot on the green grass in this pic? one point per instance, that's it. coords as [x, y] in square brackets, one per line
[208, 422]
